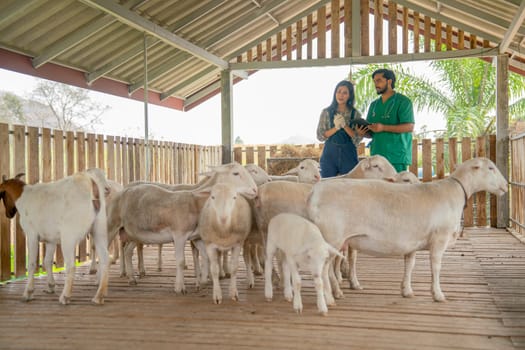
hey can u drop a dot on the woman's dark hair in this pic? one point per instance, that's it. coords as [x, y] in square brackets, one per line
[388, 74]
[351, 100]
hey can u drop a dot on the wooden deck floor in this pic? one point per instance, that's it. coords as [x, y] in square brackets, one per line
[483, 278]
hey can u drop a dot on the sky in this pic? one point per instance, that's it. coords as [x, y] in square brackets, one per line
[269, 107]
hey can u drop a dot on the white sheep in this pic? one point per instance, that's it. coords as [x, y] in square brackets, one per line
[150, 214]
[260, 176]
[224, 224]
[302, 244]
[62, 212]
[388, 219]
[307, 171]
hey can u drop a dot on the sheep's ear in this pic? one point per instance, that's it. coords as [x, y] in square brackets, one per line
[18, 176]
[389, 179]
[293, 171]
[4, 178]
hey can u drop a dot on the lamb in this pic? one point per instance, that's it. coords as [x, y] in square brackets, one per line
[307, 171]
[150, 214]
[406, 177]
[401, 220]
[225, 222]
[62, 212]
[260, 176]
[302, 244]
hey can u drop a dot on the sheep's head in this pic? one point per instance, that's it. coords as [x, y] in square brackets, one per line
[10, 191]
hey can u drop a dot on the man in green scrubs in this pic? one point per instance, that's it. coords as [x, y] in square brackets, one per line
[391, 119]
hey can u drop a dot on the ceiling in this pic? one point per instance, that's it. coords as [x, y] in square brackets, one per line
[183, 45]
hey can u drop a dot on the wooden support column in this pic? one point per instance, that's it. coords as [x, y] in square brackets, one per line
[502, 132]
[227, 116]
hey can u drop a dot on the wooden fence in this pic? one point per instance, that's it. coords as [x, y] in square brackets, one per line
[517, 186]
[46, 155]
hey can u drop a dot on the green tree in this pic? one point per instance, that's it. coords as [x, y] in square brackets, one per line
[464, 93]
[72, 107]
[11, 108]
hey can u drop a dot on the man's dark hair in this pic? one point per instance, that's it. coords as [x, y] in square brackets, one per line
[388, 74]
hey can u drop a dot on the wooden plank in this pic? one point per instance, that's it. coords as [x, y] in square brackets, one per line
[299, 40]
[259, 52]
[416, 31]
[392, 28]
[452, 153]
[5, 223]
[365, 36]
[101, 158]
[237, 154]
[461, 39]
[428, 33]
[111, 169]
[81, 151]
[335, 17]
[47, 165]
[378, 27]
[405, 30]
[261, 156]
[309, 36]
[70, 152]
[289, 39]
[481, 197]
[439, 35]
[427, 160]
[473, 41]
[269, 49]
[321, 32]
[440, 158]
[58, 147]
[493, 201]
[449, 37]
[466, 154]
[279, 47]
[347, 20]
[20, 167]
[249, 155]
[413, 167]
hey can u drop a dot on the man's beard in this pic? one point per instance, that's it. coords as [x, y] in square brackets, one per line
[382, 91]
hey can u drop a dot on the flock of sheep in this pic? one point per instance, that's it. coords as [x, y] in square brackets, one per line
[302, 220]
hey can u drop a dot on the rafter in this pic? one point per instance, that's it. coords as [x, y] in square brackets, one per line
[513, 28]
[140, 23]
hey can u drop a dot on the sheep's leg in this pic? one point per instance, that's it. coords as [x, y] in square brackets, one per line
[214, 269]
[329, 298]
[196, 265]
[32, 247]
[179, 241]
[406, 284]
[279, 256]
[257, 263]
[317, 274]
[122, 248]
[140, 256]
[92, 255]
[205, 267]
[337, 269]
[128, 254]
[48, 265]
[236, 252]
[268, 270]
[116, 251]
[296, 281]
[286, 277]
[436, 255]
[337, 292]
[101, 246]
[352, 261]
[159, 258]
[68, 251]
[225, 265]
[246, 252]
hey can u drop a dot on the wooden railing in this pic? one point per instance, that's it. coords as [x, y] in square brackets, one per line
[45, 155]
[517, 186]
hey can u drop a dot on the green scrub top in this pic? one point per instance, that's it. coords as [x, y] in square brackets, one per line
[395, 147]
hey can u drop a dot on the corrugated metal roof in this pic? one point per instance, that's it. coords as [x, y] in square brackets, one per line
[190, 42]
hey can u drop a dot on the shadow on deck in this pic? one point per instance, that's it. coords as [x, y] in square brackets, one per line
[483, 278]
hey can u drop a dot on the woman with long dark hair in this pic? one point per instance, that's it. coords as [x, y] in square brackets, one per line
[340, 139]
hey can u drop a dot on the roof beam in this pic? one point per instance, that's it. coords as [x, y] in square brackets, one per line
[71, 40]
[140, 23]
[513, 28]
[186, 82]
[344, 61]
[137, 50]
